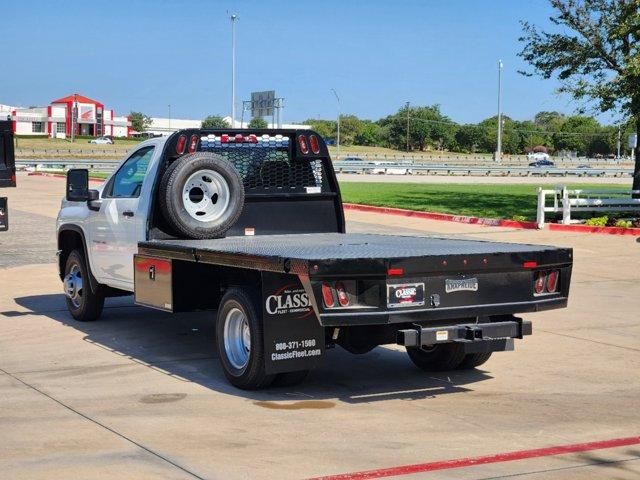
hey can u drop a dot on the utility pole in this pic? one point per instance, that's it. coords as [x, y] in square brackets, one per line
[169, 116]
[619, 140]
[233, 19]
[74, 117]
[338, 139]
[407, 126]
[499, 147]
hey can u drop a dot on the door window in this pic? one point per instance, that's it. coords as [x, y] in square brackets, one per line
[127, 182]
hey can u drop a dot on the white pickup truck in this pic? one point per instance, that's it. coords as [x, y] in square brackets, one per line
[250, 223]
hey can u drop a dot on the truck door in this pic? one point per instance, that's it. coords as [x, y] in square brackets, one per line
[118, 226]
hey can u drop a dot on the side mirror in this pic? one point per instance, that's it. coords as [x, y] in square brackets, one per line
[78, 185]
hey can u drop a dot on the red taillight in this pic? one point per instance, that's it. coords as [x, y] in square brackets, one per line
[530, 264]
[327, 295]
[253, 139]
[395, 272]
[538, 285]
[182, 142]
[343, 298]
[302, 141]
[552, 281]
[313, 141]
[193, 143]
[239, 138]
[224, 138]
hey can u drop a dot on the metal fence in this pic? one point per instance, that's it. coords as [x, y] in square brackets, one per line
[565, 201]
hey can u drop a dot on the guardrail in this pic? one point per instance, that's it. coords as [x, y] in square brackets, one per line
[368, 168]
[422, 169]
[566, 201]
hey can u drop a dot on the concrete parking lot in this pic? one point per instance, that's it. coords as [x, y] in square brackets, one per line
[140, 393]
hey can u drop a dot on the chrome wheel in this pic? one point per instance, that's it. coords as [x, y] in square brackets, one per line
[206, 195]
[237, 338]
[73, 285]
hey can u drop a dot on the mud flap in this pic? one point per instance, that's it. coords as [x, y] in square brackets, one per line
[293, 337]
[4, 214]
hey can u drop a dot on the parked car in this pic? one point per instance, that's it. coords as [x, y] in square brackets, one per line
[542, 164]
[102, 141]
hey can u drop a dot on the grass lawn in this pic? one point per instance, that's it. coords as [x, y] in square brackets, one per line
[478, 200]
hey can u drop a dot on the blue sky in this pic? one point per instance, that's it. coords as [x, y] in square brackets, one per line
[144, 55]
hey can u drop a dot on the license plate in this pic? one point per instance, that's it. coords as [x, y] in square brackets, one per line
[461, 285]
[405, 295]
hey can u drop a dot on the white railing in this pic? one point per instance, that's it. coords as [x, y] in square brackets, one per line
[566, 201]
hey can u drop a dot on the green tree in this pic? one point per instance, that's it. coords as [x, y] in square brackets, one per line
[468, 138]
[139, 121]
[215, 121]
[325, 128]
[350, 126]
[369, 134]
[575, 134]
[258, 122]
[428, 127]
[594, 52]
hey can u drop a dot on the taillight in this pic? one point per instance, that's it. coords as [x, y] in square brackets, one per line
[552, 281]
[252, 138]
[343, 298]
[327, 295]
[224, 138]
[313, 141]
[193, 143]
[539, 283]
[302, 141]
[239, 138]
[182, 141]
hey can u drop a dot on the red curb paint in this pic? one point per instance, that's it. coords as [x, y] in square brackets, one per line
[484, 460]
[491, 222]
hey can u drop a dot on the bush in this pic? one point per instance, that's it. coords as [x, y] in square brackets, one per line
[519, 218]
[597, 221]
[623, 224]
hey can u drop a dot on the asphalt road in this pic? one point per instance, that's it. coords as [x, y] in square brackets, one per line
[140, 394]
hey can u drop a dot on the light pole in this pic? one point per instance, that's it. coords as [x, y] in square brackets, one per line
[233, 19]
[74, 117]
[407, 127]
[169, 116]
[338, 139]
[499, 147]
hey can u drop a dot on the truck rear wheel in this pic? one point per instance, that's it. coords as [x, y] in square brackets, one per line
[83, 304]
[473, 360]
[239, 340]
[434, 358]
[201, 195]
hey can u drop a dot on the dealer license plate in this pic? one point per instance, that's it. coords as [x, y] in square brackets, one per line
[405, 295]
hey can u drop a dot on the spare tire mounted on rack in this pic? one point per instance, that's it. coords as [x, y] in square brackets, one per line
[201, 195]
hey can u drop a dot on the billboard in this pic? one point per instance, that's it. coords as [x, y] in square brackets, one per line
[262, 103]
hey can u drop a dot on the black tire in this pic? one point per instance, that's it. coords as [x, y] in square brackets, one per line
[83, 304]
[289, 379]
[446, 356]
[473, 360]
[250, 375]
[193, 210]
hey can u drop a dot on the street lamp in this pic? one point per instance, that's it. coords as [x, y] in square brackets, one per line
[169, 116]
[233, 19]
[338, 139]
[407, 126]
[499, 146]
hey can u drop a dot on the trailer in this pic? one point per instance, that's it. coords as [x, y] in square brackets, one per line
[250, 224]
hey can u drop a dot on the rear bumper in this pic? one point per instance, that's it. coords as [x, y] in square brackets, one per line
[475, 337]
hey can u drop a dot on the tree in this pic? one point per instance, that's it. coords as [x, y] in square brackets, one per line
[325, 128]
[258, 122]
[468, 138]
[350, 126]
[595, 53]
[139, 121]
[215, 121]
[369, 134]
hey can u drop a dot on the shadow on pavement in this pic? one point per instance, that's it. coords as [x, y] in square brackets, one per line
[182, 346]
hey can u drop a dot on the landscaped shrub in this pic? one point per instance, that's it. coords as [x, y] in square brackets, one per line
[597, 221]
[624, 223]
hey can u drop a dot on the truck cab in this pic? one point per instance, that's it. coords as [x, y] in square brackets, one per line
[7, 169]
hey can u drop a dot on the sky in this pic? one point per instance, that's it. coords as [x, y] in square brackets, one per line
[145, 55]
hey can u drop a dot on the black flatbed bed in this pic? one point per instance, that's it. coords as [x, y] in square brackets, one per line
[298, 253]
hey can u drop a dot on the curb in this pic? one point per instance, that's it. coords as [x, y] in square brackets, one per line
[490, 222]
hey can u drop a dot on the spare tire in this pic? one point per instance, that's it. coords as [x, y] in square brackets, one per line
[201, 195]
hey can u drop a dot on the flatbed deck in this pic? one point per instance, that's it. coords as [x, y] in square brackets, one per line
[290, 253]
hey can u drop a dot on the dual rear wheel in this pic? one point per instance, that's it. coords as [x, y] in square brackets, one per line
[446, 356]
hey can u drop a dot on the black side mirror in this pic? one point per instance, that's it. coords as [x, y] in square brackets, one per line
[78, 185]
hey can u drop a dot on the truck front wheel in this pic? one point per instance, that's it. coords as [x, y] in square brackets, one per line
[434, 358]
[83, 304]
[239, 340]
